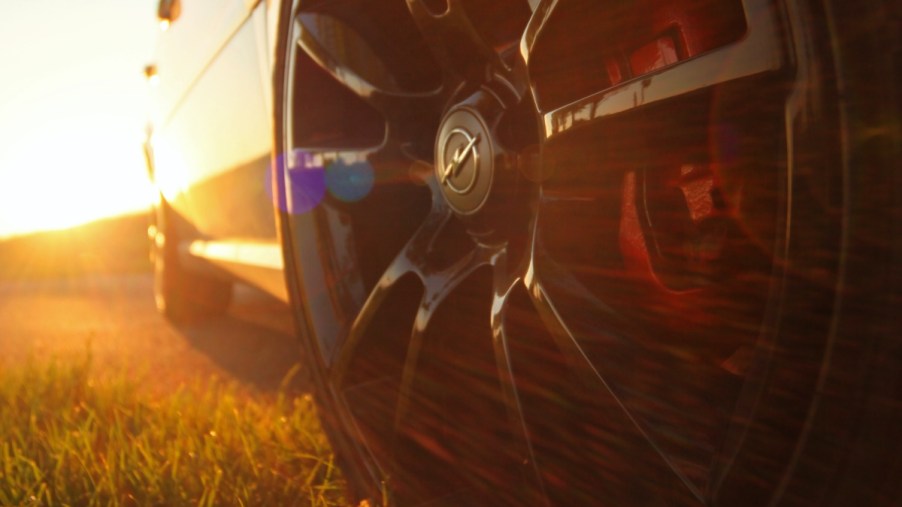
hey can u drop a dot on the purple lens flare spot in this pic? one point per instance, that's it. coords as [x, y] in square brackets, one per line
[306, 182]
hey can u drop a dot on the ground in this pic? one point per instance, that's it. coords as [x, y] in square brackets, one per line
[64, 293]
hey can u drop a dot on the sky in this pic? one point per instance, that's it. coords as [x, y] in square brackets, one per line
[72, 110]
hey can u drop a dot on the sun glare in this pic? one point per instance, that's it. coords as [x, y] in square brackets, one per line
[79, 176]
[72, 112]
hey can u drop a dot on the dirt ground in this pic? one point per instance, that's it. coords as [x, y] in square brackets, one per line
[113, 315]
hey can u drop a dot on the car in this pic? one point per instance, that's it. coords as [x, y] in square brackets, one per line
[554, 252]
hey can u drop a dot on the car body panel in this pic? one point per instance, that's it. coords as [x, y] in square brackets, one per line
[211, 137]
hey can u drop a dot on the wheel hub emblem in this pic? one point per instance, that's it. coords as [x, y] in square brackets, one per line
[464, 160]
[459, 148]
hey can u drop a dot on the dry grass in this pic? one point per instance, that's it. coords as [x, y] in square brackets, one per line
[72, 439]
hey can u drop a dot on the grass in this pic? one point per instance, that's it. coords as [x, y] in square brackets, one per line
[71, 439]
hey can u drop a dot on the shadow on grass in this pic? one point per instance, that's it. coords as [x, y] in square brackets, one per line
[254, 342]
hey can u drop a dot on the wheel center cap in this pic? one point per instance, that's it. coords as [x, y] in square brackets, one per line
[464, 160]
[461, 155]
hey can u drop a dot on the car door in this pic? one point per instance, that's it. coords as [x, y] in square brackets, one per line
[211, 132]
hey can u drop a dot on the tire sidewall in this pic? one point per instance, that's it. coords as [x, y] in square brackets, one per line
[359, 479]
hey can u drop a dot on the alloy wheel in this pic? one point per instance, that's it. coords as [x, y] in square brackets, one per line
[540, 249]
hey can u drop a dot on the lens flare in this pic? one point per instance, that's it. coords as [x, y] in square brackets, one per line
[349, 182]
[306, 181]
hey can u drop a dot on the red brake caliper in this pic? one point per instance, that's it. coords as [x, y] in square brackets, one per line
[675, 214]
[677, 234]
[680, 196]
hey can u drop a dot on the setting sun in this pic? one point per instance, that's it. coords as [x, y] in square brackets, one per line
[72, 113]
[86, 171]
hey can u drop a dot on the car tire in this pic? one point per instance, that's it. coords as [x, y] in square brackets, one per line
[658, 274]
[181, 295]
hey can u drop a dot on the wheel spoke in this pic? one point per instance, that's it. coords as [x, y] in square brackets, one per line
[463, 52]
[589, 320]
[411, 260]
[525, 454]
[438, 285]
[613, 338]
[757, 53]
[417, 257]
[569, 342]
[454, 40]
[348, 58]
[542, 10]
